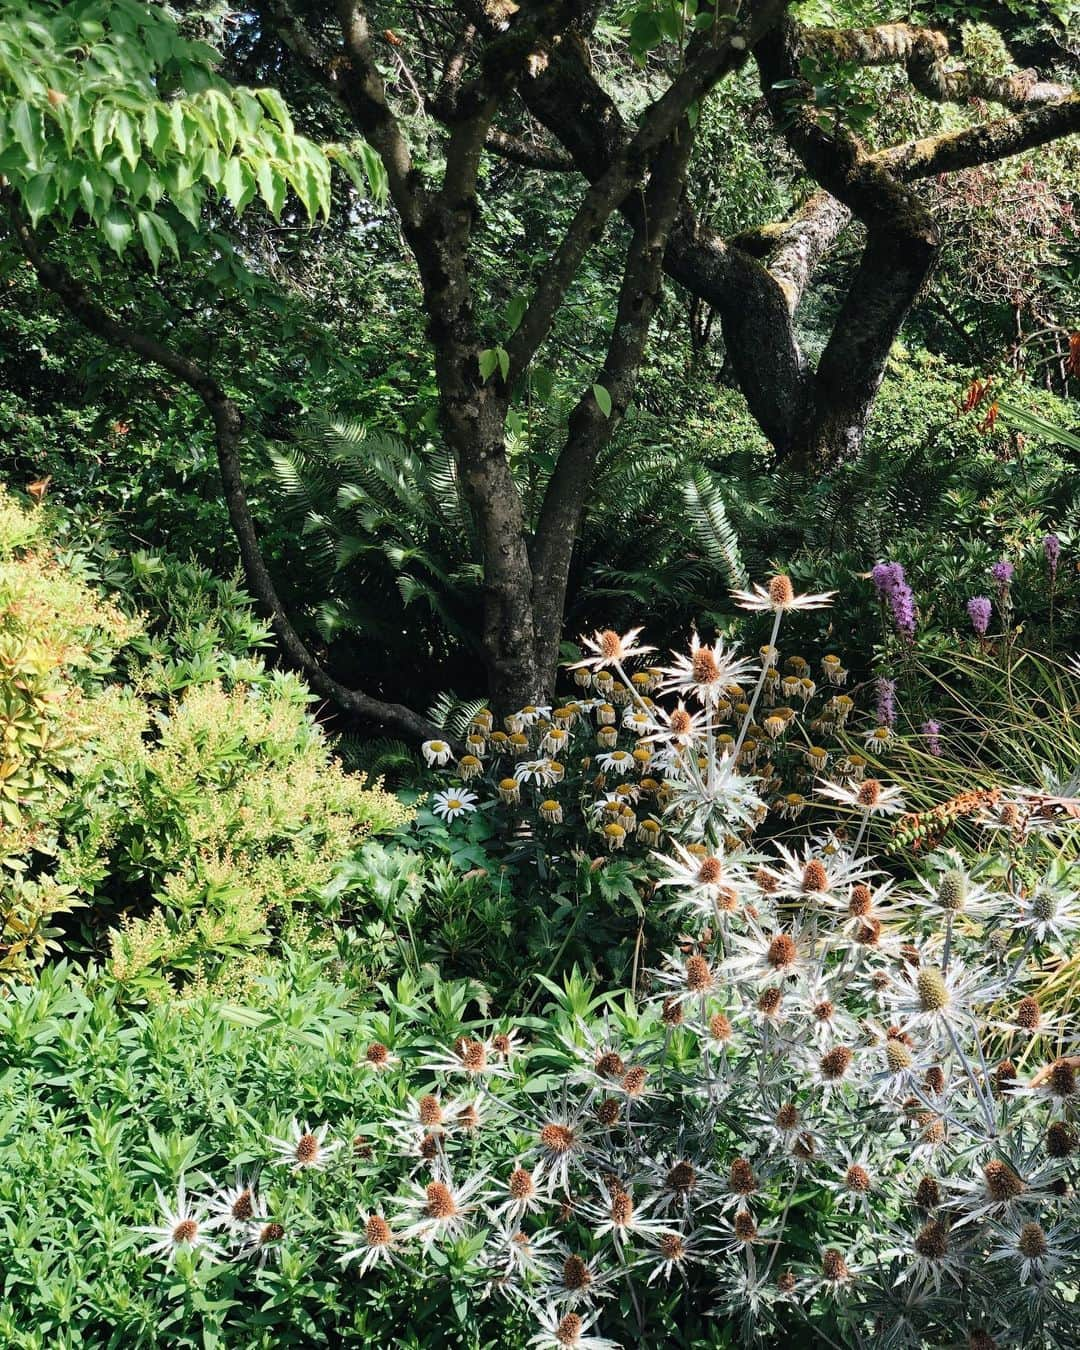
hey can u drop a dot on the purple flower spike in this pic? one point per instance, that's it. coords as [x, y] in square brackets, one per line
[892, 587]
[1052, 550]
[886, 576]
[978, 608]
[886, 701]
[932, 731]
[1002, 572]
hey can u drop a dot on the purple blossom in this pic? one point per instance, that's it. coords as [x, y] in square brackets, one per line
[1052, 549]
[886, 577]
[886, 701]
[978, 608]
[1002, 572]
[932, 731]
[892, 587]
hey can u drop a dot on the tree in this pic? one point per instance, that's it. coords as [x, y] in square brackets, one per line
[139, 154]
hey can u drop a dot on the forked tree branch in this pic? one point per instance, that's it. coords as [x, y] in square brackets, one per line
[590, 427]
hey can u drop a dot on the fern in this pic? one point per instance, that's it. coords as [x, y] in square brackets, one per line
[454, 715]
[712, 529]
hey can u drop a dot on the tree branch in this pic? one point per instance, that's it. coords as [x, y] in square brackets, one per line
[228, 427]
[752, 306]
[590, 429]
[791, 249]
[925, 54]
[364, 94]
[530, 156]
[983, 144]
[901, 248]
[708, 61]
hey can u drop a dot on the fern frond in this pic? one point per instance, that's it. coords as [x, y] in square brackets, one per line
[708, 519]
[455, 715]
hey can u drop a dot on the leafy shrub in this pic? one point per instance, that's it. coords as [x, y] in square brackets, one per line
[228, 818]
[156, 773]
[58, 641]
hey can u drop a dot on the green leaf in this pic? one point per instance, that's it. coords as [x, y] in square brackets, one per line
[275, 105]
[148, 232]
[239, 183]
[271, 187]
[603, 399]
[26, 127]
[488, 361]
[515, 311]
[125, 134]
[117, 230]
[39, 196]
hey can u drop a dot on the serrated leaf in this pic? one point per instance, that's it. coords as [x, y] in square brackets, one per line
[275, 105]
[26, 127]
[271, 187]
[118, 230]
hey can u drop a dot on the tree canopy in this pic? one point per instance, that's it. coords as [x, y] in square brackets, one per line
[204, 189]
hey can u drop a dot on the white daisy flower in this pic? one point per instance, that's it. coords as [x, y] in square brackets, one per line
[454, 802]
[537, 771]
[436, 753]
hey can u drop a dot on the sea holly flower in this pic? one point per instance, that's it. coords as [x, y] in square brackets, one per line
[608, 648]
[778, 597]
[705, 673]
[236, 1207]
[671, 1251]
[374, 1244]
[871, 796]
[184, 1227]
[305, 1148]
[567, 1331]
[1034, 1251]
[263, 1242]
[439, 1210]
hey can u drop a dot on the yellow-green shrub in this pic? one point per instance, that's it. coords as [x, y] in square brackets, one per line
[57, 643]
[191, 832]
